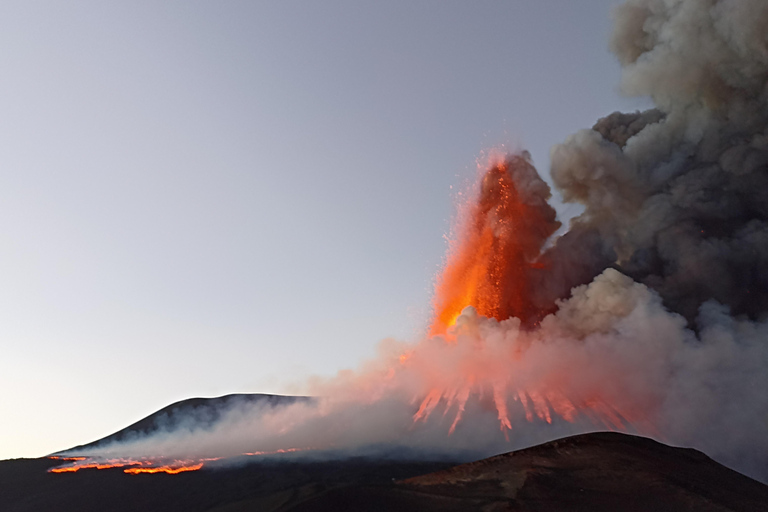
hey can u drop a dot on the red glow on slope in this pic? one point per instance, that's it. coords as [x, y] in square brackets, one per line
[93, 465]
[131, 466]
[149, 465]
[170, 470]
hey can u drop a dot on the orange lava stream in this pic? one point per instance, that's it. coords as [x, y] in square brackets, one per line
[92, 465]
[149, 465]
[164, 469]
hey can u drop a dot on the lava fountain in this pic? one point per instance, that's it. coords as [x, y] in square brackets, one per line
[500, 238]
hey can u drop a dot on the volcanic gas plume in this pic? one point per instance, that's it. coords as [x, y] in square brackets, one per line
[648, 315]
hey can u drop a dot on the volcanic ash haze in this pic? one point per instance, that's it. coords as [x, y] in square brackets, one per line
[647, 316]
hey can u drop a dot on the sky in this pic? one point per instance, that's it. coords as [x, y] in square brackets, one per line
[202, 198]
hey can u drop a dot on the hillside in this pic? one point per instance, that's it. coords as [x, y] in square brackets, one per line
[595, 472]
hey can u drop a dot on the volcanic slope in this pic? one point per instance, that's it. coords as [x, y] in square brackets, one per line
[603, 471]
[590, 472]
[191, 413]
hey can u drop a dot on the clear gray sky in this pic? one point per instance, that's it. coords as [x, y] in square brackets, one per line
[200, 198]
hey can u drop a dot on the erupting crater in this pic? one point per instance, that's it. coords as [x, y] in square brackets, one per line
[493, 265]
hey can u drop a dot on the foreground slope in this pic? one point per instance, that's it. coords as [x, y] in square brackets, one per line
[603, 471]
[591, 472]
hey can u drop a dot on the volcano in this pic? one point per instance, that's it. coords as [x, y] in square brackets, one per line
[649, 316]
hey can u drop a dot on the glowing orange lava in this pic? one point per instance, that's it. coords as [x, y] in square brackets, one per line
[131, 466]
[164, 469]
[494, 265]
[500, 238]
[148, 465]
[92, 465]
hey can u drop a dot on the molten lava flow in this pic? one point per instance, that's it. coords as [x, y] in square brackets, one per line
[109, 464]
[131, 466]
[148, 465]
[499, 241]
[171, 470]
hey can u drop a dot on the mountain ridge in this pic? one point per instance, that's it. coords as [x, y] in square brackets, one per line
[199, 411]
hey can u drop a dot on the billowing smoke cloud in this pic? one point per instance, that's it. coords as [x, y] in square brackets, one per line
[679, 198]
[653, 304]
[679, 194]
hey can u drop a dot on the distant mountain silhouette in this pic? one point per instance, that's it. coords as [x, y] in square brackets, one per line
[197, 412]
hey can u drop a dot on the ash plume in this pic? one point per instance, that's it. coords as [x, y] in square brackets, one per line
[679, 194]
[647, 316]
[676, 198]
